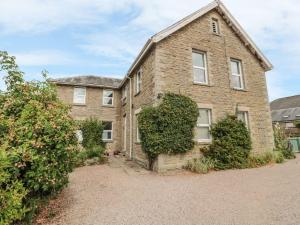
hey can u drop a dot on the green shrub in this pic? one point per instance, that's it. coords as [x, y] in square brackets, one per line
[279, 158]
[281, 142]
[231, 144]
[37, 134]
[202, 165]
[92, 130]
[168, 128]
[92, 153]
[259, 160]
[12, 193]
[297, 123]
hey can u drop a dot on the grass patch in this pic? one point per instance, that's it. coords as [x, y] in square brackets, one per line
[202, 165]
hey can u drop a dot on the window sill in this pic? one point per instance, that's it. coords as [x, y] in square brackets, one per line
[78, 104]
[108, 106]
[238, 89]
[136, 94]
[218, 35]
[202, 84]
[108, 141]
[204, 142]
[138, 143]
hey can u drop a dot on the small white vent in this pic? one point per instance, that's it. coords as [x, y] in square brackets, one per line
[215, 26]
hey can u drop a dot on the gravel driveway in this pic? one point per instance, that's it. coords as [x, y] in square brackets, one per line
[118, 194]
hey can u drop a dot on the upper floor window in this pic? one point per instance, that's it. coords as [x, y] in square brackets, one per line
[138, 81]
[79, 95]
[243, 116]
[215, 26]
[200, 67]
[203, 126]
[107, 134]
[237, 74]
[108, 97]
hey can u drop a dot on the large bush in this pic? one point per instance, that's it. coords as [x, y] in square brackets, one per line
[231, 144]
[37, 140]
[168, 128]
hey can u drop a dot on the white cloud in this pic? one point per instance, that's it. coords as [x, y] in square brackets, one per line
[44, 58]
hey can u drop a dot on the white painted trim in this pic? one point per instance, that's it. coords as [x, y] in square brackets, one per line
[112, 132]
[78, 87]
[202, 68]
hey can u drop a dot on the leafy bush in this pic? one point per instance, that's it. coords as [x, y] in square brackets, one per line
[282, 143]
[297, 123]
[168, 128]
[12, 193]
[37, 135]
[231, 144]
[93, 153]
[202, 165]
[92, 130]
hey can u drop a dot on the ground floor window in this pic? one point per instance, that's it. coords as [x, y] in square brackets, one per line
[107, 131]
[79, 136]
[243, 116]
[202, 133]
[138, 140]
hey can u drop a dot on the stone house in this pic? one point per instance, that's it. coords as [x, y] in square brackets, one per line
[286, 111]
[207, 56]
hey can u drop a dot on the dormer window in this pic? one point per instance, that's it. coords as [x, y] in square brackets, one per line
[215, 26]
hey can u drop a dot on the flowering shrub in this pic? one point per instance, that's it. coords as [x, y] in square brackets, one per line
[37, 138]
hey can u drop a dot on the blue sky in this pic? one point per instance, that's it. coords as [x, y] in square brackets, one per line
[102, 37]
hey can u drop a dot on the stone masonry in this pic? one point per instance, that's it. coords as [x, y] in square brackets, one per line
[167, 67]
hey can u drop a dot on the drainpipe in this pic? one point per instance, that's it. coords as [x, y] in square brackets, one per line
[130, 118]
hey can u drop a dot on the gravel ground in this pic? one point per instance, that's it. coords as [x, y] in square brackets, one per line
[118, 194]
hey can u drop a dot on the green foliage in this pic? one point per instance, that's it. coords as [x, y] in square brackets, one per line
[281, 142]
[95, 152]
[266, 158]
[92, 130]
[36, 134]
[12, 192]
[168, 128]
[231, 144]
[297, 123]
[202, 165]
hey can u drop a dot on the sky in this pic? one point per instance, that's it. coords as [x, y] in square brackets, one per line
[103, 37]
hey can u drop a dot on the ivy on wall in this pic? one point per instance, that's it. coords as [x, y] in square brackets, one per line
[168, 128]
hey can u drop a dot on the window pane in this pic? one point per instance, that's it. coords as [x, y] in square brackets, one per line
[107, 125]
[203, 116]
[108, 94]
[202, 133]
[107, 101]
[199, 75]
[235, 67]
[241, 116]
[106, 135]
[198, 59]
[79, 136]
[236, 81]
[79, 91]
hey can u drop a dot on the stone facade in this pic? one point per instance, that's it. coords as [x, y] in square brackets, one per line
[94, 108]
[167, 67]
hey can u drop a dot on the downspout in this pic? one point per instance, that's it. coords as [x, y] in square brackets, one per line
[130, 118]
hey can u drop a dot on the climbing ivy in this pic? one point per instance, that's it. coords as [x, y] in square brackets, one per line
[168, 128]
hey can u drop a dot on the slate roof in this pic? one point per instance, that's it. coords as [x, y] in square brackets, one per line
[286, 109]
[286, 103]
[89, 81]
[282, 115]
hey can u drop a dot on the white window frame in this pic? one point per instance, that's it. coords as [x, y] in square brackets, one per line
[246, 117]
[215, 22]
[199, 125]
[138, 139]
[75, 95]
[112, 98]
[112, 128]
[138, 81]
[241, 76]
[202, 68]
